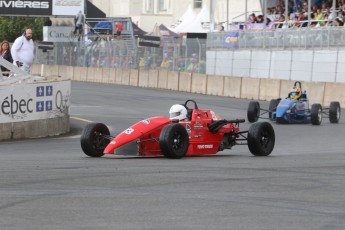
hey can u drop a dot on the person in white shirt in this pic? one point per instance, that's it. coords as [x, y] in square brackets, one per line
[23, 51]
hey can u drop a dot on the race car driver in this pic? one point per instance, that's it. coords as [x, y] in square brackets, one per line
[178, 112]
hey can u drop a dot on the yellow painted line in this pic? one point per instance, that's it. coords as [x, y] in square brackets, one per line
[81, 119]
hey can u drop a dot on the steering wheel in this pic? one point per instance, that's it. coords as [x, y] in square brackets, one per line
[192, 101]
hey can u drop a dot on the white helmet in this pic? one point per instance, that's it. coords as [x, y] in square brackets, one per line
[178, 112]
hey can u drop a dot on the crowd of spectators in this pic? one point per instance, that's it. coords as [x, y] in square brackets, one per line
[321, 14]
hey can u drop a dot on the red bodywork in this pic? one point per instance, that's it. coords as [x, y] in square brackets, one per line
[145, 134]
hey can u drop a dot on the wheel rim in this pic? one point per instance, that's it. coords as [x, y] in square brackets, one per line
[98, 142]
[177, 141]
[265, 138]
[338, 113]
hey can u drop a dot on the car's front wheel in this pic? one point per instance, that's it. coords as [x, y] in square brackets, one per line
[92, 139]
[261, 139]
[316, 114]
[174, 141]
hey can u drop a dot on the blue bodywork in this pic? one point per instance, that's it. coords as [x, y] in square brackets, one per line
[292, 111]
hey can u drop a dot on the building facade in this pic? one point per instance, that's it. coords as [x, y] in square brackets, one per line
[147, 13]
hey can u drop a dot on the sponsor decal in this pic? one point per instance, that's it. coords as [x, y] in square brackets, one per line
[146, 121]
[189, 130]
[128, 131]
[197, 126]
[210, 146]
[113, 142]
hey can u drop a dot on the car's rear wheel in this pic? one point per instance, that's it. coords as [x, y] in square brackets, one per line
[316, 114]
[92, 139]
[273, 107]
[261, 139]
[334, 112]
[174, 141]
[253, 111]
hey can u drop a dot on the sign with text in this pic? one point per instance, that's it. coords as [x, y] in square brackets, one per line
[41, 7]
[59, 34]
[25, 102]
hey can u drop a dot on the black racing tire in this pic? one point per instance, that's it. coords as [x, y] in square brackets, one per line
[92, 141]
[261, 139]
[316, 114]
[334, 112]
[253, 111]
[273, 107]
[174, 141]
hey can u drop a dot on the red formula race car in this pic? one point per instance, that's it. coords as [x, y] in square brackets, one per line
[202, 132]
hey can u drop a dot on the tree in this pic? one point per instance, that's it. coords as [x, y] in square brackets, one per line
[13, 27]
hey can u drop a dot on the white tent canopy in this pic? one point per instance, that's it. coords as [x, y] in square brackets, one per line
[192, 23]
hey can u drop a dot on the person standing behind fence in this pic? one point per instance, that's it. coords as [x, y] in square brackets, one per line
[23, 51]
[5, 52]
[79, 23]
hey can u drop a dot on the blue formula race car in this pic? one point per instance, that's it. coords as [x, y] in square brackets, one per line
[294, 109]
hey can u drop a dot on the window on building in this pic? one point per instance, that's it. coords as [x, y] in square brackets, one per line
[149, 6]
[164, 5]
[197, 3]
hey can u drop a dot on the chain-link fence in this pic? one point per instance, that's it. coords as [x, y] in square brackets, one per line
[322, 37]
[174, 54]
[186, 55]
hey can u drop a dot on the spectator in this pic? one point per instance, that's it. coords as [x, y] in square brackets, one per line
[79, 23]
[23, 51]
[5, 51]
[119, 28]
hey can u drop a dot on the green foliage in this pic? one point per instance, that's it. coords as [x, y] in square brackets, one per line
[13, 27]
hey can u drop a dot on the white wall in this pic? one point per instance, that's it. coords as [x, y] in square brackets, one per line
[302, 65]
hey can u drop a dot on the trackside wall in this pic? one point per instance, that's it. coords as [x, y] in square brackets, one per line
[262, 88]
[38, 109]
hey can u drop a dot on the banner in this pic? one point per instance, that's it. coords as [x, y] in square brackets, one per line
[231, 40]
[25, 102]
[41, 7]
[149, 41]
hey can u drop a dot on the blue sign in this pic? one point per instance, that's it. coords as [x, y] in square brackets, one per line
[40, 91]
[49, 105]
[39, 106]
[231, 40]
[49, 90]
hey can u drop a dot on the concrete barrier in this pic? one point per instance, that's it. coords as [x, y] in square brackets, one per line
[94, 74]
[232, 87]
[125, 80]
[162, 79]
[143, 78]
[199, 83]
[215, 85]
[106, 75]
[112, 76]
[36, 69]
[315, 91]
[134, 77]
[118, 76]
[36, 109]
[153, 79]
[269, 89]
[285, 88]
[334, 92]
[173, 80]
[250, 88]
[65, 72]
[185, 82]
[49, 70]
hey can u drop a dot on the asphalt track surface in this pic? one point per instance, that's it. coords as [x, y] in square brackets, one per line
[50, 184]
